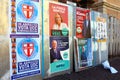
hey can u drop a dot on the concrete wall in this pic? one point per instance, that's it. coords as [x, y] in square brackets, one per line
[3, 17]
[110, 7]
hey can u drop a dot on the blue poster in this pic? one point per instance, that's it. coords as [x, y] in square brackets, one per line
[99, 37]
[25, 16]
[84, 54]
[24, 38]
[25, 56]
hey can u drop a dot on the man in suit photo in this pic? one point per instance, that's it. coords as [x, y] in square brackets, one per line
[86, 27]
[54, 52]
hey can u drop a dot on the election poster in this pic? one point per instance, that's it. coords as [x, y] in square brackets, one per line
[58, 17]
[99, 26]
[83, 23]
[83, 56]
[24, 38]
[99, 36]
[83, 53]
[25, 16]
[25, 57]
[59, 38]
[101, 29]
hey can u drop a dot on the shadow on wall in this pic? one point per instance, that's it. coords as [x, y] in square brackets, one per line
[4, 55]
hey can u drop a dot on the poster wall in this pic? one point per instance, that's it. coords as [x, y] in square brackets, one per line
[99, 37]
[83, 56]
[24, 38]
[57, 39]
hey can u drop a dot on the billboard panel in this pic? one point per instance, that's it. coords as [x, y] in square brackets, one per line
[99, 36]
[59, 37]
[24, 38]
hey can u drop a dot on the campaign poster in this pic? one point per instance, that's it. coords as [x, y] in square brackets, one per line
[83, 54]
[25, 56]
[83, 23]
[24, 38]
[99, 26]
[25, 16]
[101, 29]
[59, 38]
[99, 36]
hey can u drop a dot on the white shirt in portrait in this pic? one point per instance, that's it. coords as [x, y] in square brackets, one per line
[62, 25]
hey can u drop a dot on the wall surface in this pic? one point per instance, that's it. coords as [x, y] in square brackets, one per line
[3, 17]
[110, 7]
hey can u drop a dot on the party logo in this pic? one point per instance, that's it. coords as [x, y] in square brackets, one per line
[28, 49]
[27, 10]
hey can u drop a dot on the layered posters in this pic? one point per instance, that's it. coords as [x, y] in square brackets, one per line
[83, 23]
[24, 38]
[99, 36]
[59, 38]
[82, 40]
[83, 53]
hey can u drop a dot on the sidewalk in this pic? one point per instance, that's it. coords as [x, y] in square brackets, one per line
[94, 73]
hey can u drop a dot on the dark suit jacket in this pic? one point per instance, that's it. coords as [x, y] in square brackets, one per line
[83, 56]
[54, 55]
[84, 59]
[86, 29]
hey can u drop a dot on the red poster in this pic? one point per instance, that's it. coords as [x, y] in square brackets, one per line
[58, 17]
[82, 23]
